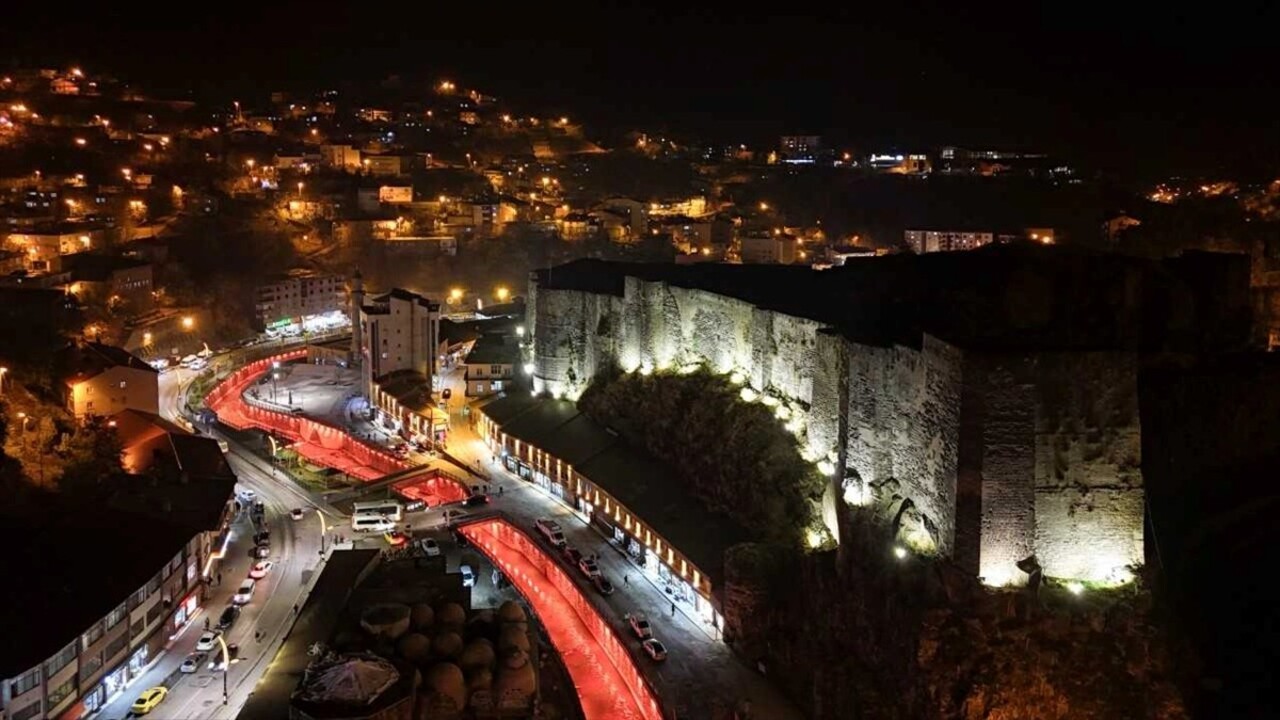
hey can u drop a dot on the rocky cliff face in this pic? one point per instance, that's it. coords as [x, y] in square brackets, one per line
[861, 633]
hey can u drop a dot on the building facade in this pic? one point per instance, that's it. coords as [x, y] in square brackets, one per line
[927, 241]
[490, 366]
[298, 296]
[103, 380]
[398, 335]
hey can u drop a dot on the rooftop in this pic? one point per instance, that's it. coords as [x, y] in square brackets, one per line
[81, 362]
[410, 388]
[96, 267]
[89, 561]
[1002, 297]
[493, 350]
[646, 486]
[343, 571]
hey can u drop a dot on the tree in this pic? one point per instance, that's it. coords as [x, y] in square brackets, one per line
[92, 454]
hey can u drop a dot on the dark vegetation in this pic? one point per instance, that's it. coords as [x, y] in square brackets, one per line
[735, 456]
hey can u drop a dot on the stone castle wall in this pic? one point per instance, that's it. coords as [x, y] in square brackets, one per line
[1001, 455]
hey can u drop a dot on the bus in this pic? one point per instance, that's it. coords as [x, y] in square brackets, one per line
[371, 523]
[390, 510]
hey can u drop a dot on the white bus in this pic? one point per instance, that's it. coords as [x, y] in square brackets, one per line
[371, 523]
[392, 510]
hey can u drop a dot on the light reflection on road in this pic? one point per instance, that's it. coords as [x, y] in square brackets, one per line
[608, 683]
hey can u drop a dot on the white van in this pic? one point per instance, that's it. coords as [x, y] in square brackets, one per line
[372, 523]
[550, 529]
[245, 593]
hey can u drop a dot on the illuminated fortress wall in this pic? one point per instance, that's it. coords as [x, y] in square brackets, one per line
[1000, 457]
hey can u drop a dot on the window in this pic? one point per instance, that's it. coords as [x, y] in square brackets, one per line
[115, 616]
[28, 680]
[497, 386]
[59, 661]
[115, 646]
[137, 597]
[154, 612]
[89, 664]
[136, 629]
[27, 712]
[495, 369]
[58, 694]
[92, 634]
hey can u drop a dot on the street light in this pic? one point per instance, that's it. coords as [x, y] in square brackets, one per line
[3, 371]
[226, 668]
[324, 530]
[299, 191]
[503, 294]
[188, 323]
[146, 339]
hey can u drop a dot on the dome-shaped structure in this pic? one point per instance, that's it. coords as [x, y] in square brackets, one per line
[477, 654]
[513, 658]
[451, 614]
[446, 645]
[445, 679]
[389, 620]
[513, 637]
[510, 611]
[515, 684]
[479, 679]
[356, 680]
[414, 647]
[421, 616]
[481, 616]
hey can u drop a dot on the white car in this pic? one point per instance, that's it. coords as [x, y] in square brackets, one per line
[654, 649]
[430, 547]
[588, 567]
[468, 576]
[640, 625]
[208, 641]
[296, 513]
[192, 663]
[260, 569]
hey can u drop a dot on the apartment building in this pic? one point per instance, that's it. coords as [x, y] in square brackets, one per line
[299, 295]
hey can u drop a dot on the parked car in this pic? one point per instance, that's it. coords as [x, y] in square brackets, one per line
[588, 567]
[415, 506]
[245, 592]
[192, 663]
[602, 584]
[468, 576]
[550, 530]
[571, 554]
[395, 538]
[476, 500]
[148, 700]
[430, 547]
[461, 539]
[640, 625]
[228, 617]
[208, 641]
[296, 513]
[260, 569]
[260, 552]
[654, 649]
[262, 538]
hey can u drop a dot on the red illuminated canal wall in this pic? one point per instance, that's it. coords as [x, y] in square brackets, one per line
[604, 673]
[317, 441]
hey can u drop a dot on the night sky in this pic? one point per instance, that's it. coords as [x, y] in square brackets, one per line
[1104, 88]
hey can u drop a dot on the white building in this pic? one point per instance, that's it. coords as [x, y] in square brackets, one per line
[927, 241]
[399, 330]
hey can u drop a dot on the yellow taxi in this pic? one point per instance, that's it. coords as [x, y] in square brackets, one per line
[149, 699]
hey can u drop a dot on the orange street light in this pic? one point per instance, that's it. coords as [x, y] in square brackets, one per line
[188, 322]
[503, 293]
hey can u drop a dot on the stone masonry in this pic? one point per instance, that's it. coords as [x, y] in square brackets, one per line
[1057, 460]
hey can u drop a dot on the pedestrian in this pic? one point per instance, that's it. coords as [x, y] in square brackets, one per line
[626, 579]
[219, 579]
[673, 608]
[295, 608]
[499, 491]
[206, 623]
[257, 635]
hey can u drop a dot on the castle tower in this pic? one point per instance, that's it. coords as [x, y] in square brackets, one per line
[357, 333]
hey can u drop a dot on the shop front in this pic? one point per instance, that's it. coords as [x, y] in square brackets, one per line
[185, 612]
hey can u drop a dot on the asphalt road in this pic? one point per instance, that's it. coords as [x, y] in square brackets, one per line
[295, 546]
